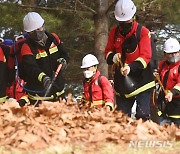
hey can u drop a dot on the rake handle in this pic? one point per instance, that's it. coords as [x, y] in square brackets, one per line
[53, 80]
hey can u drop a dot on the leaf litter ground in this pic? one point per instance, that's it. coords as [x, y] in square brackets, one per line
[62, 123]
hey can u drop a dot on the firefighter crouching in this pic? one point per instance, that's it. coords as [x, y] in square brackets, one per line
[3, 76]
[98, 91]
[169, 72]
[41, 55]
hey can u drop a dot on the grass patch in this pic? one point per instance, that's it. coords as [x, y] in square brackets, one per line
[105, 148]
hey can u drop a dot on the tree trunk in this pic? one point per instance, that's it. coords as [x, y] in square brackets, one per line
[101, 34]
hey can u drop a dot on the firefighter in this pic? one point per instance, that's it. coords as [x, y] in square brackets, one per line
[13, 89]
[133, 78]
[3, 76]
[169, 71]
[98, 91]
[41, 55]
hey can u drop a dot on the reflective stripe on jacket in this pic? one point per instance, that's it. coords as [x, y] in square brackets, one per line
[51, 98]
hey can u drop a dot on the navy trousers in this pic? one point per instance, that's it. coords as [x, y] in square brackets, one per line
[143, 105]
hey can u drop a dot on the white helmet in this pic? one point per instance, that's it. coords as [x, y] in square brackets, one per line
[171, 45]
[32, 21]
[89, 60]
[124, 10]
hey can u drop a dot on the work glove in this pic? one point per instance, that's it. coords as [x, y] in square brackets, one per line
[117, 58]
[63, 62]
[46, 82]
[169, 96]
[125, 70]
[108, 108]
[155, 73]
[156, 76]
[21, 102]
[80, 98]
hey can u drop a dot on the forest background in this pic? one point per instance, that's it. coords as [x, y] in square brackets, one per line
[83, 26]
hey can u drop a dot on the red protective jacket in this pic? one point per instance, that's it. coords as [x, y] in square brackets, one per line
[138, 60]
[101, 94]
[3, 76]
[170, 78]
[173, 80]
[143, 55]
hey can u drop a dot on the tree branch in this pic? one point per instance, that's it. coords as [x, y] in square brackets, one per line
[110, 6]
[85, 6]
[52, 9]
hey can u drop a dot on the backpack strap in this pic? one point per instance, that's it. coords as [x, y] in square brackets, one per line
[90, 92]
[116, 33]
[99, 83]
[153, 61]
[90, 88]
[55, 38]
[138, 32]
[163, 65]
[166, 76]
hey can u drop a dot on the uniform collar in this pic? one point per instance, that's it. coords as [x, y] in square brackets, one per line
[132, 31]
